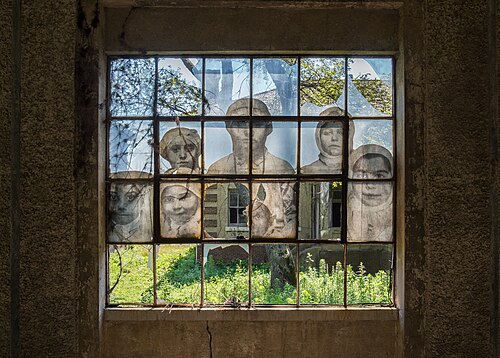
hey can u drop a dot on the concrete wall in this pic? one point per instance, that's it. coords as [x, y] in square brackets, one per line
[448, 306]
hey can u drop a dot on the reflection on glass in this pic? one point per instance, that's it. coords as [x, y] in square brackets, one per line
[322, 82]
[369, 211]
[227, 147]
[180, 209]
[179, 86]
[274, 275]
[321, 274]
[226, 274]
[178, 274]
[225, 209]
[274, 147]
[131, 146]
[370, 87]
[320, 210]
[132, 87]
[227, 80]
[130, 277]
[371, 132]
[369, 274]
[275, 84]
[180, 147]
[274, 211]
[130, 216]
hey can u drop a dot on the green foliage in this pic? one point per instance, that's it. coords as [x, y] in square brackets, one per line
[376, 92]
[322, 81]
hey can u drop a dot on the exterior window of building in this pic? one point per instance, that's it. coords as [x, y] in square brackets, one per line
[248, 180]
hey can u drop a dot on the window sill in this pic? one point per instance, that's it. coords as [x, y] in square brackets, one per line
[253, 314]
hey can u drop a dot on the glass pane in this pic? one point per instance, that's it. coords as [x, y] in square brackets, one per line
[275, 86]
[322, 82]
[180, 147]
[219, 221]
[321, 274]
[274, 275]
[320, 210]
[370, 87]
[274, 211]
[369, 274]
[227, 82]
[274, 147]
[233, 198]
[132, 85]
[130, 274]
[322, 147]
[180, 205]
[131, 146]
[178, 275]
[226, 274]
[179, 86]
[369, 211]
[371, 132]
[226, 147]
[130, 217]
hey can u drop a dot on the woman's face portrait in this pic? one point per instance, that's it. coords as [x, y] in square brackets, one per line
[372, 166]
[125, 202]
[182, 153]
[330, 136]
[179, 204]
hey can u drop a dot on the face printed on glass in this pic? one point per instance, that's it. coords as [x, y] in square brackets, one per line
[261, 219]
[331, 139]
[125, 201]
[372, 166]
[182, 154]
[179, 203]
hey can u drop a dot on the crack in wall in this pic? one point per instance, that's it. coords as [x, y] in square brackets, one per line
[210, 340]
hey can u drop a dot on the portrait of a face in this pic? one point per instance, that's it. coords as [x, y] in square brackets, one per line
[262, 219]
[125, 202]
[330, 138]
[181, 147]
[180, 206]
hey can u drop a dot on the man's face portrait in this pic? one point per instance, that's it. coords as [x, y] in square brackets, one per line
[125, 201]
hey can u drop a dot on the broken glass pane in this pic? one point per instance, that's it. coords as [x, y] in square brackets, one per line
[370, 87]
[178, 275]
[226, 274]
[322, 82]
[180, 205]
[366, 132]
[225, 210]
[132, 85]
[180, 147]
[274, 211]
[130, 277]
[321, 274]
[320, 210]
[275, 87]
[322, 146]
[274, 147]
[131, 146]
[226, 147]
[369, 274]
[227, 86]
[274, 275]
[130, 215]
[369, 211]
[179, 86]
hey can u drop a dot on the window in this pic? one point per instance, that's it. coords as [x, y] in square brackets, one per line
[242, 180]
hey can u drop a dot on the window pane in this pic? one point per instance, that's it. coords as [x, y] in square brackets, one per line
[131, 146]
[322, 82]
[274, 147]
[321, 274]
[274, 211]
[227, 82]
[274, 275]
[275, 87]
[322, 147]
[179, 86]
[226, 274]
[178, 277]
[369, 274]
[369, 211]
[371, 132]
[130, 217]
[180, 147]
[219, 221]
[370, 87]
[226, 147]
[180, 205]
[132, 87]
[130, 274]
[320, 210]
